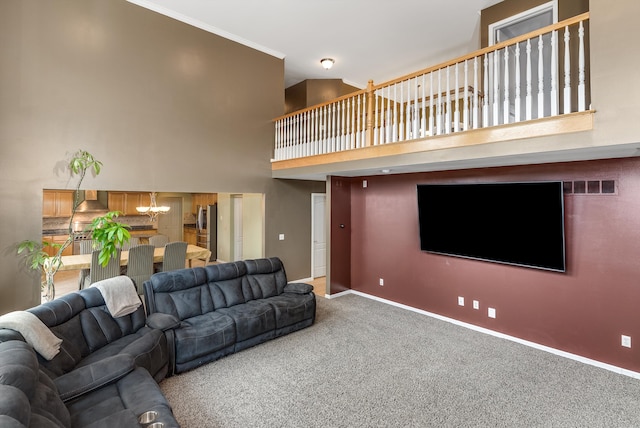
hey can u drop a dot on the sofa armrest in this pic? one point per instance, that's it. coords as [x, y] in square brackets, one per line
[298, 288]
[93, 376]
[162, 321]
[7, 334]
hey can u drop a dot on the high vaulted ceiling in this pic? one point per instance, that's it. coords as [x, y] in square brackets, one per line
[369, 39]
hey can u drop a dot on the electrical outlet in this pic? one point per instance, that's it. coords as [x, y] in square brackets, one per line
[491, 312]
[281, 237]
[460, 301]
[364, 183]
[381, 281]
[626, 341]
[476, 304]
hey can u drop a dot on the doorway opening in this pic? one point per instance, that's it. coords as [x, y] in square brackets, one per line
[318, 235]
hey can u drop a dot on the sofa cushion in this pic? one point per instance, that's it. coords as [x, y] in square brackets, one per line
[226, 284]
[120, 403]
[291, 308]
[202, 335]
[182, 293]
[266, 277]
[251, 319]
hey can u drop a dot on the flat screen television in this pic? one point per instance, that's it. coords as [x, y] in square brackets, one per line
[514, 223]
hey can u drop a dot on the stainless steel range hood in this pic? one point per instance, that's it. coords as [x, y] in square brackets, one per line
[91, 204]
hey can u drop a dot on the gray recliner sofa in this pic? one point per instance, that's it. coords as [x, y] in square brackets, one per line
[224, 308]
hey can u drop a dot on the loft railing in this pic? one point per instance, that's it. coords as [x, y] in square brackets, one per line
[540, 74]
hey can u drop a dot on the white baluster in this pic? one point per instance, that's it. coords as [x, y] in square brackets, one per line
[439, 104]
[363, 121]
[350, 107]
[505, 104]
[431, 112]
[517, 84]
[567, 72]
[395, 112]
[401, 135]
[447, 114]
[496, 88]
[528, 99]
[408, 118]
[312, 132]
[554, 73]
[305, 123]
[354, 130]
[540, 77]
[476, 94]
[581, 71]
[456, 111]
[294, 136]
[323, 129]
[376, 120]
[465, 101]
[423, 117]
[358, 122]
[415, 111]
[485, 102]
[388, 114]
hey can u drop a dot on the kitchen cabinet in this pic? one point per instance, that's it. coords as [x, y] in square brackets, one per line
[202, 199]
[126, 202]
[57, 203]
[190, 235]
[57, 239]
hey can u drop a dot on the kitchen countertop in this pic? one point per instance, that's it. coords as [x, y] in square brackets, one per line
[52, 232]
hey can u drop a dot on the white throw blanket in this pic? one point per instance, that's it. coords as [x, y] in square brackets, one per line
[119, 295]
[34, 331]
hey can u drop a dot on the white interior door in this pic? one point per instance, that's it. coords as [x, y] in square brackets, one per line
[236, 206]
[170, 224]
[318, 235]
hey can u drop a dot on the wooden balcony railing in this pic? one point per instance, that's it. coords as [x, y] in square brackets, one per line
[540, 74]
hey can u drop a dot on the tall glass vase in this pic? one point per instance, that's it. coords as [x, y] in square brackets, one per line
[48, 291]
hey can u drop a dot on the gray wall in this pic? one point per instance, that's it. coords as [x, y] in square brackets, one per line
[163, 105]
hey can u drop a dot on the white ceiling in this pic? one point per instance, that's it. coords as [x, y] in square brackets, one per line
[369, 39]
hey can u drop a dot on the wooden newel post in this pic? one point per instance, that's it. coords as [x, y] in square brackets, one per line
[370, 103]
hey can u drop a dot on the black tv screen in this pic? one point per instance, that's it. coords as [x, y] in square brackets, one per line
[514, 223]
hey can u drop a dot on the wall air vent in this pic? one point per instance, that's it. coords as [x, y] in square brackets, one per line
[590, 187]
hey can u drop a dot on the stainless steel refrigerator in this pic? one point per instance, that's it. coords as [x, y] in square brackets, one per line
[207, 229]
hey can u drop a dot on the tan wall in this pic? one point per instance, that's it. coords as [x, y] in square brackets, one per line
[150, 98]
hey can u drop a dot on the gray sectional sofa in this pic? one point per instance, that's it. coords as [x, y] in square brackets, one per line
[106, 370]
[104, 375]
[224, 308]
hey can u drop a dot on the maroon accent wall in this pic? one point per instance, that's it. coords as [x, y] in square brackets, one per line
[340, 229]
[583, 311]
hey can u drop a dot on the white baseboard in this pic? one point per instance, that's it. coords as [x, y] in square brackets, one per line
[564, 354]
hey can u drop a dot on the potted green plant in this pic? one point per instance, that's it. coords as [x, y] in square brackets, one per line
[106, 231]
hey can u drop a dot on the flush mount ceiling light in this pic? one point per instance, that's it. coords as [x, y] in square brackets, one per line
[327, 63]
[385, 171]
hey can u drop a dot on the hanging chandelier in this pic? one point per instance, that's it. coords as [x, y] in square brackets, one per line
[153, 209]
